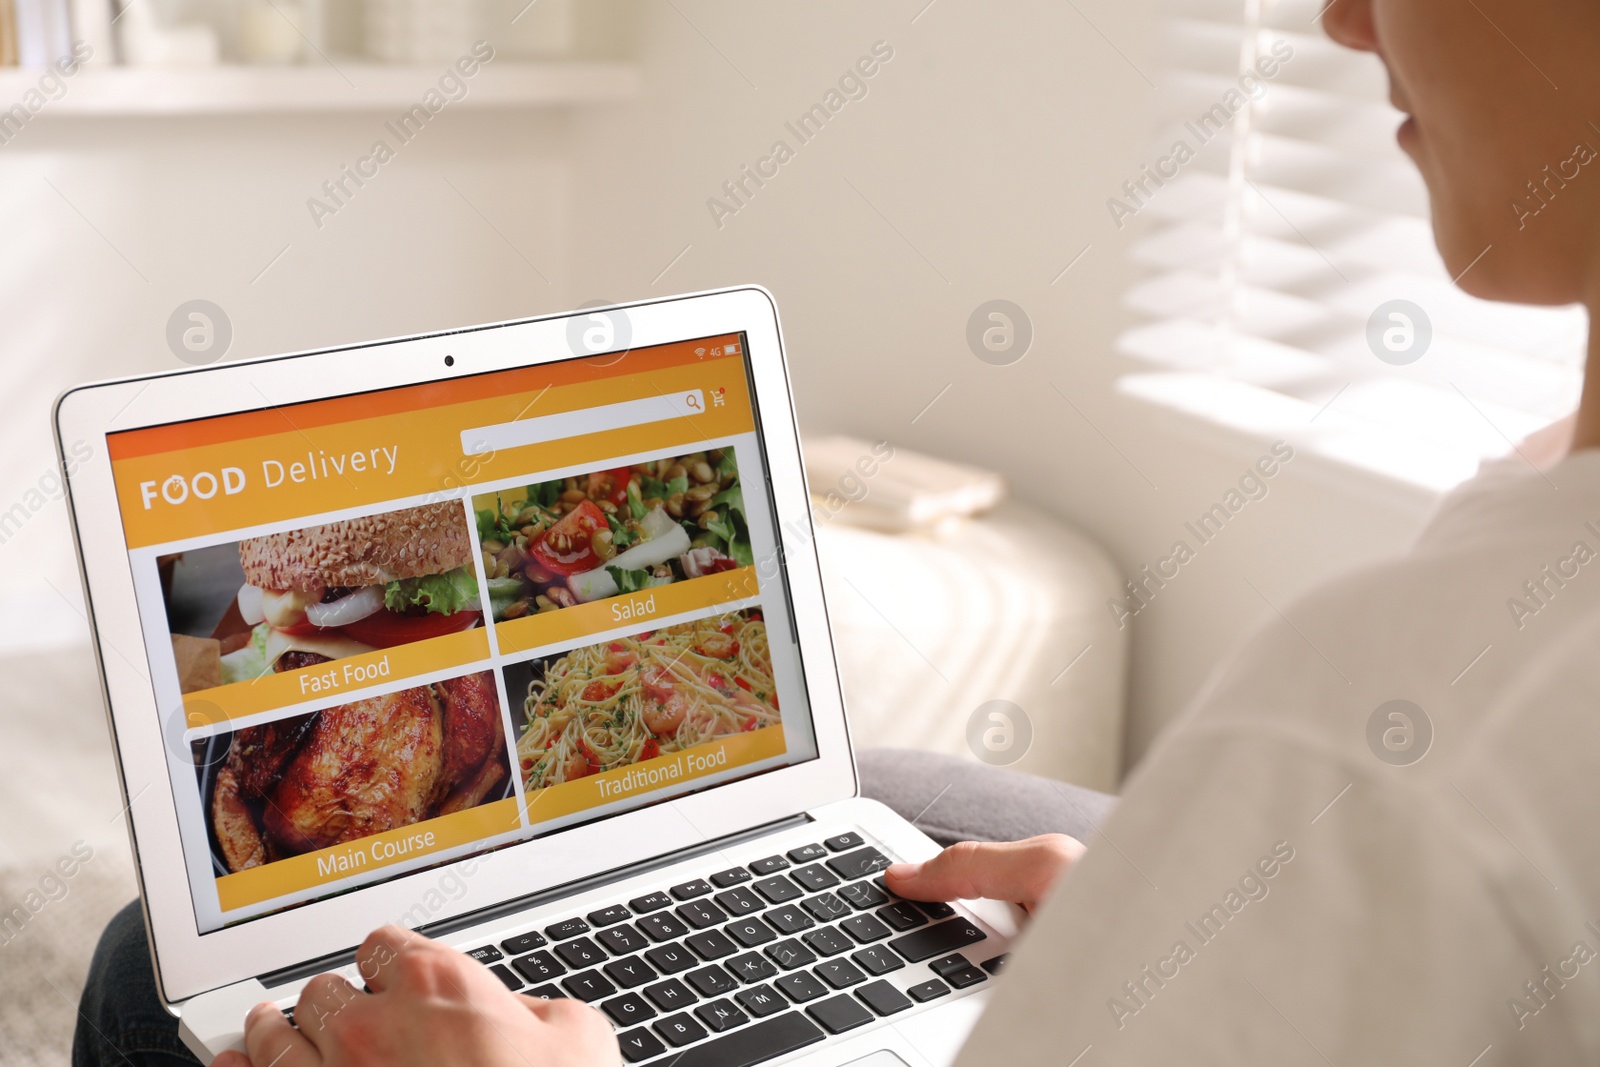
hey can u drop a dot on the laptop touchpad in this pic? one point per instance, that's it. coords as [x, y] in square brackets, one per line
[881, 1058]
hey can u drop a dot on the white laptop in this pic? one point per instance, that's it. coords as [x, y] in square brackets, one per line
[515, 636]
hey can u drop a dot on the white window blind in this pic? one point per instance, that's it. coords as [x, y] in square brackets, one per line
[1270, 250]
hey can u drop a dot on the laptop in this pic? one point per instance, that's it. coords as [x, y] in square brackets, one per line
[514, 636]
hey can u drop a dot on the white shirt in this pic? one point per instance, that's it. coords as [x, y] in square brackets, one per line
[1360, 911]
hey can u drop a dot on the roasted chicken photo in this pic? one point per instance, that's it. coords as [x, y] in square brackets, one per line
[348, 772]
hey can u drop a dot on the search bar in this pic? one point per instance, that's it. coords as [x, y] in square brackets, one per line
[544, 428]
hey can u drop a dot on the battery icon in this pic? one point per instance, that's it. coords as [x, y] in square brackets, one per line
[731, 349]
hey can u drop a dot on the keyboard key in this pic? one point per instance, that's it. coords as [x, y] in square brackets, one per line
[807, 853]
[711, 981]
[825, 906]
[751, 967]
[670, 995]
[760, 1001]
[711, 944]
[859, 864]
[929, 990]
[732, 876]
[839, 1014]
[864, 928]
[778, 889]
[649, 902]
[688, 890]
[815, 878]
[768, 865]
[883, 998]
[839, 973]
[680, 1030]
[936, 909]
[701, 914]
[790, 954]
[721, 1016]
[749, 1045]
[800, 987]
[876, 960]
[750, 932]
[828, 941]
[949, 964]
[522, 943]
[902, 916]
[580, 953]
[589, 986]
[609, 916]
[632, 972]
[639, 1045]
[740, 901]
[670, 959]
[788, 919]
[965, 977]
[843, 843]
[500, 971]
[545, 992]
[630, 1008]
[935, 940]
[662, 927]
[538, 967]
[996, 965]
[486, 955]
[621, 940]
[563, 930]
[863, 895]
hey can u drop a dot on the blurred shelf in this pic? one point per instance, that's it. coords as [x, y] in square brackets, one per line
[351, 86]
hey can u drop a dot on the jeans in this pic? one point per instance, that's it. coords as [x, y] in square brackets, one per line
[121, 1021]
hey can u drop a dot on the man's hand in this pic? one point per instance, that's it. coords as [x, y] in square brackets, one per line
[430, 1005]
[1021, 872]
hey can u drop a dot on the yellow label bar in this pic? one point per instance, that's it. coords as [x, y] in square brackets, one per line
[563, 624]
[652, 775]
[169, 496]
[368, 854]
[348, 675]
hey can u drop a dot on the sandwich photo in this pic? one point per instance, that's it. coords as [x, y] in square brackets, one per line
[295, 599]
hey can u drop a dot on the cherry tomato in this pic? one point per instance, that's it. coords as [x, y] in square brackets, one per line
[601, 689]
[610, 485]
[649, 750]
[575, 531]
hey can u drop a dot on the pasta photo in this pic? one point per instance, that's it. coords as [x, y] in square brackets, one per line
[631, 699]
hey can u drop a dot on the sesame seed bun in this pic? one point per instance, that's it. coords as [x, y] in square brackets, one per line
[371, 550]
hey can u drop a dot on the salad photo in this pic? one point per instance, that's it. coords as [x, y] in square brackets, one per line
[574, 540]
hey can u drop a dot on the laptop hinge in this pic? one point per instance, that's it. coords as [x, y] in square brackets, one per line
[544, 896]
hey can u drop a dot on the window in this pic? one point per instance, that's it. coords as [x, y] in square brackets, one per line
[1295, 221]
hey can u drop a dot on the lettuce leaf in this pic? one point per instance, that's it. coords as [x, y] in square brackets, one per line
[629, 581]
[445, 593]
[250, 662]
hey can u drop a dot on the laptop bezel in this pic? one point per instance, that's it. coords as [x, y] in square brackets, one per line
[189, 963]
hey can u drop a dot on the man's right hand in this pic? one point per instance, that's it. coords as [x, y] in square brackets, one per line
[1021, 872]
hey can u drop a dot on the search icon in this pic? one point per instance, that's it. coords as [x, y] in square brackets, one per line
[692, 402]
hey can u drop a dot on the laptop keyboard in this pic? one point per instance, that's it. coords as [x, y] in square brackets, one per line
[752, 962]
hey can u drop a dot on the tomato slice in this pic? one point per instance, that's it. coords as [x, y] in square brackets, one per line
[385, 629]
[649, 750]
[610, 485]
[575, 530]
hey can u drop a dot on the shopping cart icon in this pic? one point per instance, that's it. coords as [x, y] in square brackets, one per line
[719, 397]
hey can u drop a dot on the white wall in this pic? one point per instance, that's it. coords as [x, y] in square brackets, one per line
[977, 167]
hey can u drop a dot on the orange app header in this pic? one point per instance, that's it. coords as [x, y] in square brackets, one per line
[213, 475]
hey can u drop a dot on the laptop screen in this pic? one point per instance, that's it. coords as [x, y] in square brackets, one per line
[394, 629]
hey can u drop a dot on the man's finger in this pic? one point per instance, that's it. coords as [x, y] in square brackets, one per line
[272, 1042]
[321, 1002]
[1021, 872]
[377, 954]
